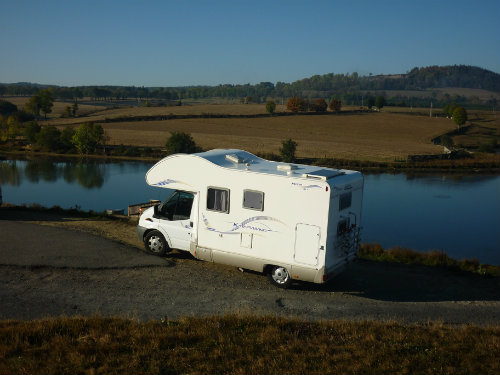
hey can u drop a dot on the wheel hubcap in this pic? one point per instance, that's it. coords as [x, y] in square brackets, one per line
[155, 244]
[280, 275]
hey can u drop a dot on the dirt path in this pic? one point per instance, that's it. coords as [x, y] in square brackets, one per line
[51, 270]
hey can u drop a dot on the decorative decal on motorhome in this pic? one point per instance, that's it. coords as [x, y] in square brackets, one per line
[257, 225]
[306, 187]
[168, 182]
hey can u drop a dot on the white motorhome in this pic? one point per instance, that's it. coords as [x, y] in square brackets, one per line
[291, 221]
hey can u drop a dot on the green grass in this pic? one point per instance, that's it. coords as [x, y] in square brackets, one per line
[243, 345]
[432, 258]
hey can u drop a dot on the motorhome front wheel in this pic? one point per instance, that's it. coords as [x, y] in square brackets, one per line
[155, 243]
[280, 277]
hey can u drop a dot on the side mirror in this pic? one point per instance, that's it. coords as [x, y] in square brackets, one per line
[155, 212]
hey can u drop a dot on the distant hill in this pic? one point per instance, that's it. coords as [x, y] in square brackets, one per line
[438, 77]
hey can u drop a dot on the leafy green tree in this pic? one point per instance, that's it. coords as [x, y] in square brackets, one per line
[41, 102]
[67, 138]
[31, 131]
[379, 101]
[449, 109]
[7, 108]
[33, 106]
[24, 116]
[370, 102]
[460, 116]
[287, 150]
[180, 142]
[46, 101]
[446, 108]
[74, 108]
[88, 137]
[3, 128]
[67, 112]
[49, 138]
[270, 107]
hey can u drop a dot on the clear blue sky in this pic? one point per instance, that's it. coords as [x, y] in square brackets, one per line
[177, 43]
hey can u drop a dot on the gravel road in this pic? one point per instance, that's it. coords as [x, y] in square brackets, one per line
[52, 271]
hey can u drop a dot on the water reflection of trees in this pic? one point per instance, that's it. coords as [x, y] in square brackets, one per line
[41, 169]
[89, 174]
[9, 173]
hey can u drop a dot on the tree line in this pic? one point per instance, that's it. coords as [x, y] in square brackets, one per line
[348, 87]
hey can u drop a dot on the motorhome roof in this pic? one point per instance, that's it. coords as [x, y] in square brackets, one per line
[242, 160]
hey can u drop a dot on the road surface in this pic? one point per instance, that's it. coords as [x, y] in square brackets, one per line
[49, 271]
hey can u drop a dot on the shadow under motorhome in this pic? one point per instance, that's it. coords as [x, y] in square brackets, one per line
[291, 221]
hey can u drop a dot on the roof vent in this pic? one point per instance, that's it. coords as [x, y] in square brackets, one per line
[286, 167]
[234, 158]
[323, 174]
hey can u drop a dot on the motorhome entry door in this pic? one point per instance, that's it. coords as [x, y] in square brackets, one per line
[307, 244]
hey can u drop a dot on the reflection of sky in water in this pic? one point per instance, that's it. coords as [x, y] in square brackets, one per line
[460, 215]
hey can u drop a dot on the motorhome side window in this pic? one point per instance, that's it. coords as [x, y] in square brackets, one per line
[345, 201]
[218, 199]
[253, 200]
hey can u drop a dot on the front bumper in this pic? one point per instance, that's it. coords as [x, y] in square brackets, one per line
[140, 232]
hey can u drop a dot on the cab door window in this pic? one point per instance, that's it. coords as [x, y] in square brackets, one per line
[177, 206]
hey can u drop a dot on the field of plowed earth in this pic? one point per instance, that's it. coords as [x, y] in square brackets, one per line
[364, 136]
[378, 136]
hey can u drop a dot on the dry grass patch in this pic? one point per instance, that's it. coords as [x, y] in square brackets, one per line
[485, 127]
[372, 136]
[243, 345]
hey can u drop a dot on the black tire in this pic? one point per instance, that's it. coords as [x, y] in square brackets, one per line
[155, 243]
[280, 277]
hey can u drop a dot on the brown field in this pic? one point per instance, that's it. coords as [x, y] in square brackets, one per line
[386, 136]
[365, 136]
[371, 136]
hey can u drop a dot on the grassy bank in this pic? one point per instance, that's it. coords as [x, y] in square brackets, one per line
[433, 258]
[243, 345]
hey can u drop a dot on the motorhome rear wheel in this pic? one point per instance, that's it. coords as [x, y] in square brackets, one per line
[280, 277]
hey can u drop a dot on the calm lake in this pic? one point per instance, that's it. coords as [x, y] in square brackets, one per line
[457, 214]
